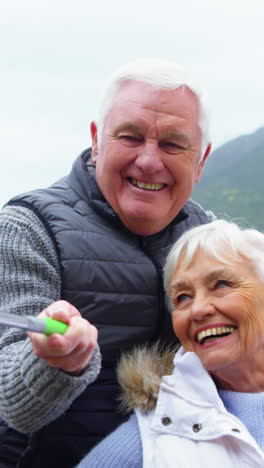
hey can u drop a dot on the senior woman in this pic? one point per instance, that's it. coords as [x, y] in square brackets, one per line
[203, 406]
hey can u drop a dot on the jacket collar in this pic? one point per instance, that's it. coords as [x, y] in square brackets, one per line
[192, 379]
[143, 372]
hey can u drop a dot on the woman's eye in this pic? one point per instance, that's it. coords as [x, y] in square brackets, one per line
[221, 284]
[182, 298]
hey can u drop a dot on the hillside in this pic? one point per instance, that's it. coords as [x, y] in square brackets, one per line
[232, 183]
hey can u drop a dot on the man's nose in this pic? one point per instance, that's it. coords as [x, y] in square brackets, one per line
[202, 307]
[149, 159]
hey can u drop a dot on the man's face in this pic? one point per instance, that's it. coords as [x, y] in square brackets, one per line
[147, 159]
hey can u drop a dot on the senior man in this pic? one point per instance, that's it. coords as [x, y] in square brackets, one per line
[89, 251]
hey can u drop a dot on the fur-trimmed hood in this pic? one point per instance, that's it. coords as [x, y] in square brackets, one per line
[139, 374]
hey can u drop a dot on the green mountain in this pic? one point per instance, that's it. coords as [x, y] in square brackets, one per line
[232, 184]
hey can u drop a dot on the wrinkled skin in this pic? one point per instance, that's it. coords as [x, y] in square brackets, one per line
[150, 136]
[210, 294]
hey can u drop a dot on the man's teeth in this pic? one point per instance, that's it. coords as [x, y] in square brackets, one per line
[214, 332]
[145, 186]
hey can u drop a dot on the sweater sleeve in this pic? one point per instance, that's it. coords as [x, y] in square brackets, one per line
[121, 449]
[32, 394]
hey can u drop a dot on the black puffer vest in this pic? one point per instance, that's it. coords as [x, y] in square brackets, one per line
[114, 278]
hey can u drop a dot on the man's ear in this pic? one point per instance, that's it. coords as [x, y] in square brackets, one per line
[201, 163]
[94, 133]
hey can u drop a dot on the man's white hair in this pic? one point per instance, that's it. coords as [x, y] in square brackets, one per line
[161, 74]
[221, 239]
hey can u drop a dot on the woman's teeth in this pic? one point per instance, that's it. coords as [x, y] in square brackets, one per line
[213, 333]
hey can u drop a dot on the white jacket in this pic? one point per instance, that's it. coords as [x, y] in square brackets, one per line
[190, 427]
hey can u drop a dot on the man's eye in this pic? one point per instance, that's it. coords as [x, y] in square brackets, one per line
[128, 137]
[170, 147]
[130, 140]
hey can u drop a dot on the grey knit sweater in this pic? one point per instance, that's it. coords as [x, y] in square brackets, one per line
[32, 394]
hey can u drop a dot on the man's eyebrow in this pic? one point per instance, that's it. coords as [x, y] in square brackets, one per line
[128, 126]
[174, 135]
[134, 127]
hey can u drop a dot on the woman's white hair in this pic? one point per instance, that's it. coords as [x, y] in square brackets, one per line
[221, 239]
[162, 74]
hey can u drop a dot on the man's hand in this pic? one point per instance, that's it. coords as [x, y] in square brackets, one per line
[72, 351]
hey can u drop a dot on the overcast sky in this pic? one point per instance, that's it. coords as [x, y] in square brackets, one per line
[56, 54]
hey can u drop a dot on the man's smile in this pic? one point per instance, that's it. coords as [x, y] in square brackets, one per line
[146, 186]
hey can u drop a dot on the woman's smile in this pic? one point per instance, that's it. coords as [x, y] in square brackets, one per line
[215, 312]
[214, 332]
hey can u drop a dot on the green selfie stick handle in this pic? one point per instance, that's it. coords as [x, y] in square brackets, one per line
[54, 326]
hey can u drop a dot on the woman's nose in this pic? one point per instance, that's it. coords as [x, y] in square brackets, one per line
[201, 308]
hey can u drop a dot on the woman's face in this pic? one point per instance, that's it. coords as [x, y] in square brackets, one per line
[217, 312]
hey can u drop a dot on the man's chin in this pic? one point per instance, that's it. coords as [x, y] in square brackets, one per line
[144, 225]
